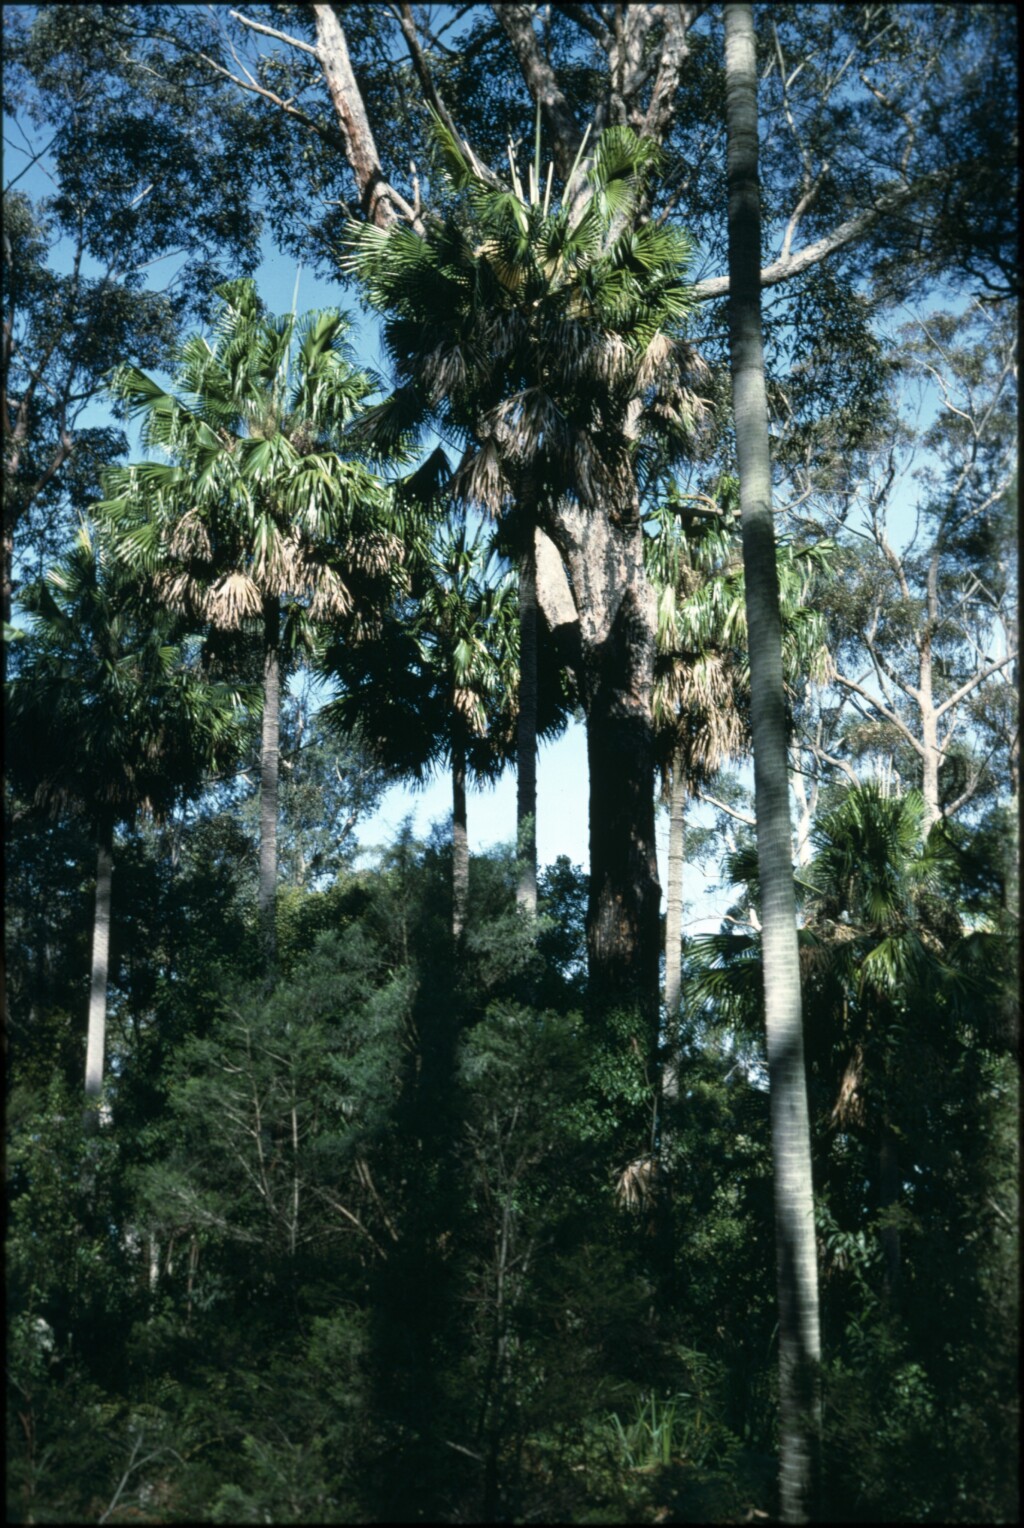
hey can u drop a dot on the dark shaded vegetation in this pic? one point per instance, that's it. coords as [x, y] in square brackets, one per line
[393, 1243]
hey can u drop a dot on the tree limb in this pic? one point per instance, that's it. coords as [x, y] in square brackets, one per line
[853, 228]
[517, 24]
[732, 811]
[257, 26]
[378, 198]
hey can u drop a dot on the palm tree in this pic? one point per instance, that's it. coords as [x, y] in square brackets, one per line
[890, 969]
[702, 674]
[700, 684]
[796, 1260]
[105, 717]
[431, 685]
[543, 336]
[260, 520]
[883, 942]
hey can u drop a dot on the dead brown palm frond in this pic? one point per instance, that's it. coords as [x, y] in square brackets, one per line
[375, 552]
[520, 422]
[566, 346]
[469, 705]
[636, 1185]
[480, 479]
[444, 371]
[330, 595]
[235, 598]
[190, 537]
[610, 359]
[278, 563]
[180, 592]
[658, 355]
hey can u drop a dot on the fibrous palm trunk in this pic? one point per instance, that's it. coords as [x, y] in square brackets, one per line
[526, 733]
[796, 1265]
[270, 768]
[603, 551]
[96, 1042]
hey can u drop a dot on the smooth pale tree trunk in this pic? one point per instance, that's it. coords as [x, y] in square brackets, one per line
[931, 754]
[270, 770]
[526, 734]
[96, 1042]
[796, 1262]
[602, 547]
[460, 842]
[674, 889]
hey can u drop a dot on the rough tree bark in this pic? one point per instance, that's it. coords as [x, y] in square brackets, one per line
[616, 614]
[796, 1261]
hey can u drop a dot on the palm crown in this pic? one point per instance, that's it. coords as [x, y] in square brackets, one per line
[101, 666]
[259, 513]
[258, 499]
[529, 332]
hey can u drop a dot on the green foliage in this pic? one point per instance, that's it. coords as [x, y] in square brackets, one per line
[100, 663]
[407, 1238]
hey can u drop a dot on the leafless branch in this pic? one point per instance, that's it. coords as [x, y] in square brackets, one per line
[258, 26]
[891, 200]
[732, 811]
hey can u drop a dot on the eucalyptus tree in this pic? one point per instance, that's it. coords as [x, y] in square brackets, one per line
[546, 336]
[107, 717]
[261, 520]
[795, 1249]
[926, 622]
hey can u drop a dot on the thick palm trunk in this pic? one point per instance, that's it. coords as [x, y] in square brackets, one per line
[460, 842]
[796, 1265]
[526, 739]
[603, 550]
[96, 1042]
[270, 769]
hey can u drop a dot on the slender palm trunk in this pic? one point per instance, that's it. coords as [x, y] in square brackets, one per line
[95, 1044]
[674, 889]
[270, 768]
[796, 1263]
[460, 842]
[526, 739]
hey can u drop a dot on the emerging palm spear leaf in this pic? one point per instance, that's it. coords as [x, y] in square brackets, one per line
[261, 519]
[544, 337]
